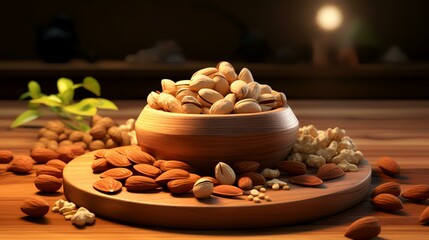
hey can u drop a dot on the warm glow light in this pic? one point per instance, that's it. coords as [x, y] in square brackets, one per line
[329, 17]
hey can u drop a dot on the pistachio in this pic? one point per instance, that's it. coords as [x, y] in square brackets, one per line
[247, 105]
[205, 110]
[208, 96]
[168, 86]
[245, 75]
[200, 81]
[228, 70]
[231, 97]
[191, 105]
[224, 174]
[221, 84]
[254, 90]
[239, 88]
[281, 99]
[182, 84]
[203, 188]
[185, 92]
[267, 100]
[208, 71]
[162, 99]
[172, 105]
[223, 106]
[265, 88]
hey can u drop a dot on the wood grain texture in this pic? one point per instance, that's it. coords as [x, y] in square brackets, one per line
[186, 212]
[203, 140]
[395, 128]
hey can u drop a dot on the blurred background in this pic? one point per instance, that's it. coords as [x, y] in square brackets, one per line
[354, 49]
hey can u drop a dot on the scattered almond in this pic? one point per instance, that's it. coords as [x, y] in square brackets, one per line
[56, 163]
[172, 174]
[100, 165]
[214, 181]
[417, 193]
[306, 180]
[65, 153]
[107, 185]
[117, 173]
[257, 179]
[174, 164]
[158, 163]
[329, 171]
[5, 156]
[147, 170]
[180, 185]
[245, 183]
[364, 228]
[100, 153]
[138, 156]
[47, 183]
[116, 159]
[424, 216]
[227, 191]
[388, 166]
[292, 167]
[194, 177]
[140, 184]
[43, 155]
[21, 164]
[389, 187]
[35, 207]
[387, 202]
[48, 170]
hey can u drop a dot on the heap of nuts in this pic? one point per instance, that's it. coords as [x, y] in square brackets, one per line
[138, 171]
[216, 90]
[104, 133]
[316, 148]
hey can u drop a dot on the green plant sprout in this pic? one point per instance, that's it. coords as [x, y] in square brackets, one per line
[73, 114]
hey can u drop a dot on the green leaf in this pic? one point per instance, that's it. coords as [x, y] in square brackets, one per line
[100, 103]
[67, 96]
[64, 84]
[24, 96]
[92, 85]
[51, 100]
[81, 109]
[34, 89]
[25, 117]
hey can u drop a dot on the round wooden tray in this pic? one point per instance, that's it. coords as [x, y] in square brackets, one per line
[162, 209]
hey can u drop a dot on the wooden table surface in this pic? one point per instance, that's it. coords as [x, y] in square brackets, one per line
[398, 129]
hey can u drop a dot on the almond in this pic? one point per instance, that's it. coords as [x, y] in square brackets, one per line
[56, 163]
[124, 149]
[21, 164]
[35, 207]
[158, 163]
[180, 185]
[172, 174]
[387, 202]
[140, 184]
[363, 228]
[117, 173]
[49, 170]
[107, 185]
[100, 153]
[417, 193]
[245, 183]
[138, 156]
[388, 166]
[43, 155]
[65, 153]
[245, 166]
[147, 170]
[194, 177]
[100, 165]
[292, 167]
[77, 149]
[174, 164]
[5, 156]
[116, 159]
[96, 145]
[329, 171]
[306, 180]
[98, 131]
[389, 187]
[227, 191]
[424, 216]
[47, 183]
[257, 179]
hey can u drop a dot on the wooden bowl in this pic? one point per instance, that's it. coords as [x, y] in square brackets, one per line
[203, 140]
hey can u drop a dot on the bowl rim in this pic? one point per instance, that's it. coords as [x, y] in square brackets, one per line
[211, 116]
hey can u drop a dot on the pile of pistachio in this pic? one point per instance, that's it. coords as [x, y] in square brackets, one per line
[216, 90]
